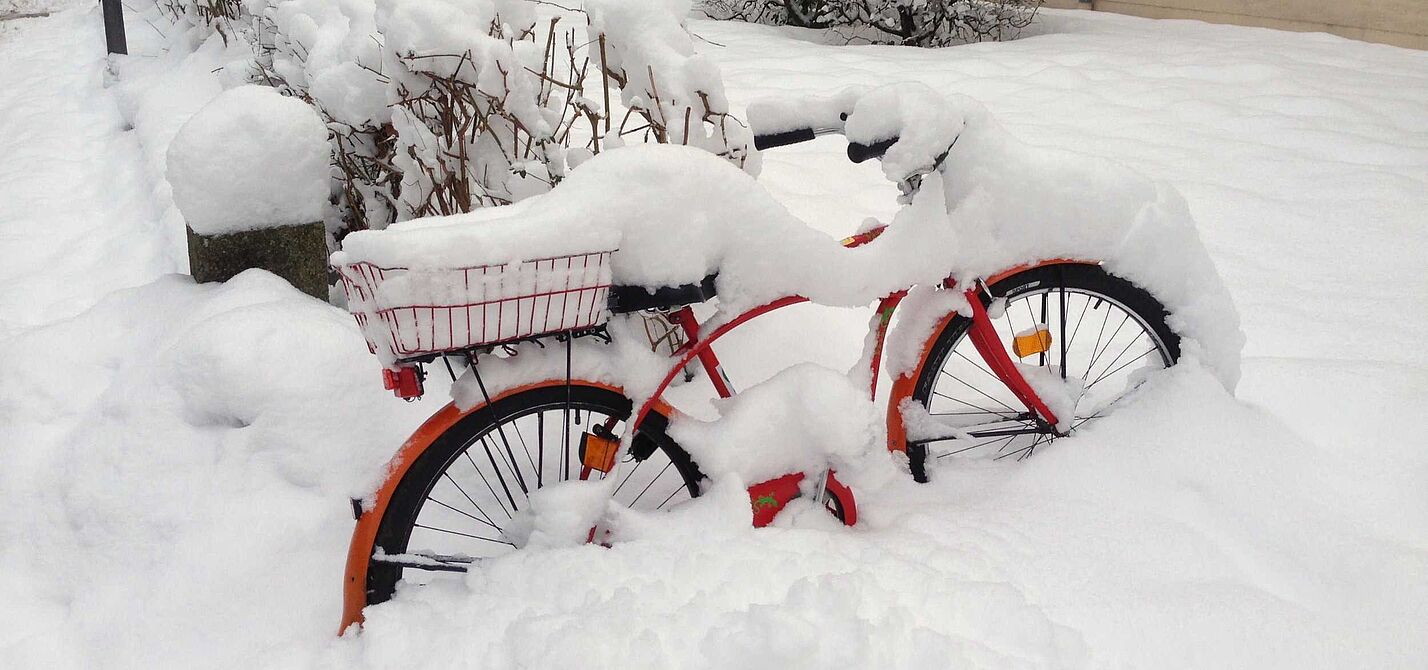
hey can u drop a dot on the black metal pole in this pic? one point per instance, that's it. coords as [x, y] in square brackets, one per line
[114, 27]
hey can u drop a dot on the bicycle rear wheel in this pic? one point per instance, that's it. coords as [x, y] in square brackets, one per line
[1107, 337]
[457, 502]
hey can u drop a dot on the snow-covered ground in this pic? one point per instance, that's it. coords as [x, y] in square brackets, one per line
[175, 459]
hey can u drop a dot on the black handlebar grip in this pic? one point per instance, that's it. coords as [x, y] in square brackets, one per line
[772, 140]
[861, 152]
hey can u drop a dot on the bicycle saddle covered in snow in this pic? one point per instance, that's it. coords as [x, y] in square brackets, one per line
[628, 298]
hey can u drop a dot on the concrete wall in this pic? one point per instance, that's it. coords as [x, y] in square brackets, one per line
[1399, 22]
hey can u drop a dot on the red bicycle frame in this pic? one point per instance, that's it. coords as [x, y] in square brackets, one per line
[982, 333]
[782, 489]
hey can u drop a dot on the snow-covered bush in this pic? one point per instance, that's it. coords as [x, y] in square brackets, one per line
[445, 106]
[484, 102]
[912, 22]
[328, 52]
[647, 53]
[490, 101]
[221, 16]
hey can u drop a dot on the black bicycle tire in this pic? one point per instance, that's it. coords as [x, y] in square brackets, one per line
[402, 511]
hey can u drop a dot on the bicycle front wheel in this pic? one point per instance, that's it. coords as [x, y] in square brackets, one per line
[1107, 336]
[462, 498]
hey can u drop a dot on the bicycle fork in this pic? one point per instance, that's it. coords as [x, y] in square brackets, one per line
[984, 338]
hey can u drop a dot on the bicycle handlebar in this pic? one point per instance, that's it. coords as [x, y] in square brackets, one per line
[856, 152]
[861, 152]
[785, 138]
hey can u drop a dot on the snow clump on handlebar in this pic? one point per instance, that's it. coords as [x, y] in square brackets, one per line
[921, 119]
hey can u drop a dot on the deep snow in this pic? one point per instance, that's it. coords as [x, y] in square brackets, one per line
[175, 460]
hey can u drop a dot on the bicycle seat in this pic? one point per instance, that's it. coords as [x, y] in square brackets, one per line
[625, 299]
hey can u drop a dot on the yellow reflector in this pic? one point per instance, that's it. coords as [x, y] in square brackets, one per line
[1032, 342]
[598, 453]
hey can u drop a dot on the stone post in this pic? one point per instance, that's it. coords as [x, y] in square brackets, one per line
[295, 253]
[250, 174]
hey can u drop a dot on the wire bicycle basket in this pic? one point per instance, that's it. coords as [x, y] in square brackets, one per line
[408, 314]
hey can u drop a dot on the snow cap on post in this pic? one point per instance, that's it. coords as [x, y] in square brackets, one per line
[250, 159]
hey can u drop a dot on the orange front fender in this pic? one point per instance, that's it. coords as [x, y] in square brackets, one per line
[359, 552]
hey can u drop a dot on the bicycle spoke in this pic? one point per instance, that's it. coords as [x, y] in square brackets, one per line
[1109, 340]
[1041, 360]
[964, 402]
[468, 499]
[1065, 344]
[629, 474]
[983, 393]
[1024, 451]
[520, 481]
[487, 448]
[1108, 405]
[465, 514]
[565, 447]
[1122, 367]
[1123, 350]
[977, 365]
[667, 466]
[672, 494]
[426, 562]
[1080, 319]
[1100, 332]
[517, 426]
[1007, 440]
[540, 449]
[490, 488]
[453, 532]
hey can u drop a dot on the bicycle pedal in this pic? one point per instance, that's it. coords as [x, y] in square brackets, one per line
[1032, 341]
[598, 452]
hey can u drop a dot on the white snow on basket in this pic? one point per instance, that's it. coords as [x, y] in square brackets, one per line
[406, 312]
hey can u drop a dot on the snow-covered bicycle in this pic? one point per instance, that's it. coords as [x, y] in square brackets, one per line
[996, 357]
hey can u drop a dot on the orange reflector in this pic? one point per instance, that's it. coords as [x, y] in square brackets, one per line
[1032, 342]
[598, 453]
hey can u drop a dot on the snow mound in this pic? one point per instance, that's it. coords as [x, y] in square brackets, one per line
[208, 431]
[804, 419]
[704, 590]
[251, 158]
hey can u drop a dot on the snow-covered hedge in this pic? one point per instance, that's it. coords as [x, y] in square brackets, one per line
[445, 106]
[914, 22]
